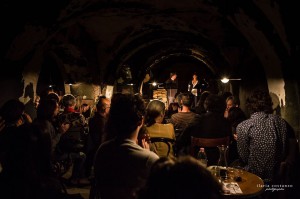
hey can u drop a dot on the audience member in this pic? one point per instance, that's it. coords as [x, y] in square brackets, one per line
[185, 117]
[25, 157]
[155, 113]
[27, 171]
[53, 96]
[85, 110]
[235, 116]
[13, 112]
[47, 112]
[180, 178]
[231, 101]
[72, 142]
[144, 136]
[261, 139]
[173, 107]
[200, 105]
[36, 101]
[121, 165]
[96, 131]
[211, 124]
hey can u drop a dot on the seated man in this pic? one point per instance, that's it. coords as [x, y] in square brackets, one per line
[121, 165]
[185, 117]
[210, 125]
[261, 139]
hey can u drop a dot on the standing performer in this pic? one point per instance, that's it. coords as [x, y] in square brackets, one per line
[196, 87]
[172, 87]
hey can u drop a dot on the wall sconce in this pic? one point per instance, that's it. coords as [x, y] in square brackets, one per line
[70, 80]
[50, 82]
[226, 80]
[154, 84]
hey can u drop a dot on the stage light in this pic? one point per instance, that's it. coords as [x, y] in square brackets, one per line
[226, 80]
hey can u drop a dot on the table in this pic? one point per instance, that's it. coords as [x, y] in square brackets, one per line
[250, 184]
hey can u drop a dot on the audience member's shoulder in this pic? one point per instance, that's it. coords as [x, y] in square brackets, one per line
[169, 124]
[196, 117]
[140, 153]
[244, 123]
[153, 156]
[277, 117]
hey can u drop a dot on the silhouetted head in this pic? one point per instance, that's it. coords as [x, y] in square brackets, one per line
[11, 111]
[154, 109]
[68, 100]
[215, 103]
[126, 114]
[258, 101]
[184, 177]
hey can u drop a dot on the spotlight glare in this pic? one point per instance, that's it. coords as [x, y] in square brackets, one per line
[225, 80]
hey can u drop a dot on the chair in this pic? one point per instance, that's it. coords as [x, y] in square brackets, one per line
[168, 141]
[60, 168]
[210, 145]
[178, 132]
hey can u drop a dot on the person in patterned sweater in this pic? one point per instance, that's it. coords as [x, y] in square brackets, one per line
[261, 139]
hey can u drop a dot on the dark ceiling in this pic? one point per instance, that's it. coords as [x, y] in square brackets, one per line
[91, 40]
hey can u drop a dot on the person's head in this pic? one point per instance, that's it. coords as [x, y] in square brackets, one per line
[53, 96]
[200, 104]
[259, 101]
[215, 103]
[146, 78]
[184, 177]
[173, 75]
[187, 99]
[126, 114]
[36, 101]
[178, 97]
[68, 100]
[12, 112]
[103, 105]
[195, 76]
[47, 109]
[155, 112]
[235, 116]
[85, 107]
[232, 101]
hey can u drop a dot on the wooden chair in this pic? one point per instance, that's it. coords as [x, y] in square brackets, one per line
[168, 141]
[210, 145]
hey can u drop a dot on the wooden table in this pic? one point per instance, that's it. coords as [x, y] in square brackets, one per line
[250, 184]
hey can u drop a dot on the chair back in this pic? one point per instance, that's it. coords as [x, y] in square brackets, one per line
[210, 145]
[168, 142]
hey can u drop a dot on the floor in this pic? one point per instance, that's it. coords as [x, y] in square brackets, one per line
[83, 191]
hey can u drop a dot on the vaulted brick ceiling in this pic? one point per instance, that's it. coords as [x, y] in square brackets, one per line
[93, 39]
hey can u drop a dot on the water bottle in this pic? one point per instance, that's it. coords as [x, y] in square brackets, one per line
[202, 157]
